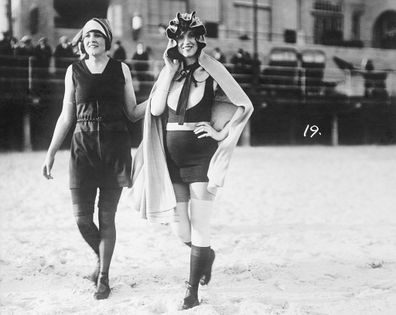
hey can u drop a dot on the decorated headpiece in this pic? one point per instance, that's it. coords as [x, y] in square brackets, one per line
[96, 24]
[182, 23]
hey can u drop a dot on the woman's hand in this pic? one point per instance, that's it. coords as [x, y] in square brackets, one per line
[47, 166]
[204, 129]
[172, 65]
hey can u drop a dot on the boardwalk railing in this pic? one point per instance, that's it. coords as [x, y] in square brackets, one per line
[31, 98]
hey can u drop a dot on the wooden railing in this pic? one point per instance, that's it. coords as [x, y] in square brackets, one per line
[31, 99]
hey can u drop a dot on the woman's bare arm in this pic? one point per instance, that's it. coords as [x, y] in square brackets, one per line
[133, 111]
[63, 124]
[164, 81]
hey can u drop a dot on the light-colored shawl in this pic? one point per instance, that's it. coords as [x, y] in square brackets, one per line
[152, 191]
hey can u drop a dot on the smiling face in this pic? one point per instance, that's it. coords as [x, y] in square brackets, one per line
[187, 45]
[94, 43]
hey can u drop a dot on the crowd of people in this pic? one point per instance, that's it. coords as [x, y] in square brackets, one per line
[240, 62]
[42, 51]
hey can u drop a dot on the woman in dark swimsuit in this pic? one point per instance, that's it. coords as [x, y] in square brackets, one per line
[183, 96]
[99, 96]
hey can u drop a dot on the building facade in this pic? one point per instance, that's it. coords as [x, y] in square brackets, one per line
[230, 23]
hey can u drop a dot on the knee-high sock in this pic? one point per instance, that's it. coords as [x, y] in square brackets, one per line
[198, 258]
[108, 238]
[89, 231]
[201, 211]
[180, 224]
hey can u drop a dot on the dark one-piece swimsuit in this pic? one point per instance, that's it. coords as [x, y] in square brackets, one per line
[101, 144]
[187, 156]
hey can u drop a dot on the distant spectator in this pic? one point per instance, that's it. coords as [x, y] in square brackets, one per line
[374, 81]
[247, 57]
[25, 47]
[5, 45]
[219, 56]
[241, 64]
[63, 53]
[14, 43]
[238, 59]
[41, 64]
[43, 53]
[23, 50]
[369, 65]
[6, 49]
[140, 62]
[162, 29]
[141, 56]
[119, 51]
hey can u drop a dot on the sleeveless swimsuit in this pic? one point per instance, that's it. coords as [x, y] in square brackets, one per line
[187, 156]
[101, 144]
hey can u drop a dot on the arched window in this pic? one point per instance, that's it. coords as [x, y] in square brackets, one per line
[384, 31]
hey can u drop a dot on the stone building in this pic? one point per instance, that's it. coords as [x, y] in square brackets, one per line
[334, 23]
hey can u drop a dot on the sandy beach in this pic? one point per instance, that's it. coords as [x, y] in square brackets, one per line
[297, 230]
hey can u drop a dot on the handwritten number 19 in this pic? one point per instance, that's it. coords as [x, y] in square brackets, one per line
[314, 129]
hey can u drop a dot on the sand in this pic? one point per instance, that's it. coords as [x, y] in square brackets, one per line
[297, 230]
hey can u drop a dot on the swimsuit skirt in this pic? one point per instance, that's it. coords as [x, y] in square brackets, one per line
[101, 144]
[187, 156]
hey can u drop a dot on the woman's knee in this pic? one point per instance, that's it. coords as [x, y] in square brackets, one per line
[182, 230]
[199, 191]
[201, 211]
[182, 192]
[84, 222]
[200, 234]
[181, 222]
[83, 210]
[107, 206]
[106, 219]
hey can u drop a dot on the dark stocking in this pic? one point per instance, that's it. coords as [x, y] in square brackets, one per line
[90, 233]
[198, 259]
[207, 275]
[107, 238]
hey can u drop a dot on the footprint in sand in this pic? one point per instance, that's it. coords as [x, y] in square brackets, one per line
[376, 264]
[236, 269]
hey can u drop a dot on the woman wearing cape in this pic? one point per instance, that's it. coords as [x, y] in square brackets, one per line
[194, 117]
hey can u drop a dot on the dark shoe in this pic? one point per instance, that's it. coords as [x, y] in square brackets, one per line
[102, 288]
[191, 298]
[207, 275]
